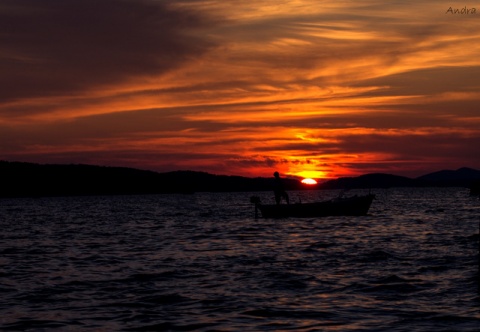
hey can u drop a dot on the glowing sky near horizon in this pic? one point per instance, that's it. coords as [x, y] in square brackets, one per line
[316, 89]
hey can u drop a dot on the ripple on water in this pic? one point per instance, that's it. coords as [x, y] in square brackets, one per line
[203, 263]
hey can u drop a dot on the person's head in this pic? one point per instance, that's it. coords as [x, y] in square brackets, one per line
[276, 174]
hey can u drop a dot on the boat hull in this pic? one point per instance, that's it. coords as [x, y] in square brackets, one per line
[351, 206]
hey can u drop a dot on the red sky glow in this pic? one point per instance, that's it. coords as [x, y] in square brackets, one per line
[317, 89]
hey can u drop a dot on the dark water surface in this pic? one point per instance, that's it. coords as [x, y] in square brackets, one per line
[203, 263]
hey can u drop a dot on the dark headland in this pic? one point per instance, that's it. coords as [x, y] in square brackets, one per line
[21, 179]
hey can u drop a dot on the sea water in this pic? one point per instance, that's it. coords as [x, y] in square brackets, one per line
[202, 262]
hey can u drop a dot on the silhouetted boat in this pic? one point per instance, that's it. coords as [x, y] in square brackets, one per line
[348, 206]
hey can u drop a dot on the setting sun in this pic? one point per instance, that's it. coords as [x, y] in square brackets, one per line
[309, 181]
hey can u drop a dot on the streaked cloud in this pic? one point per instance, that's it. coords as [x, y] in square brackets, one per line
[329, 88]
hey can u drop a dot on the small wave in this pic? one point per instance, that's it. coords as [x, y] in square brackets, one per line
[165, 299]
[301, 314]
[167, 326]
[394, 279]
[377, 256]
[400, 288]
[449, 322]
[390, 285]
[319, 245]
[38, 324]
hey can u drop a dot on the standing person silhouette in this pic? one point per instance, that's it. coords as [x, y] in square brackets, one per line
[279, 190]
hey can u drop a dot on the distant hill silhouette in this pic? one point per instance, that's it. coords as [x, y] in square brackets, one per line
[373, 180]
[461, 177]
[34, 180]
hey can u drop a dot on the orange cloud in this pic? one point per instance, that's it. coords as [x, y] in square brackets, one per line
[311, 89]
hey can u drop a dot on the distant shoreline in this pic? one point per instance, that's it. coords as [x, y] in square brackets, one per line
[38, 180]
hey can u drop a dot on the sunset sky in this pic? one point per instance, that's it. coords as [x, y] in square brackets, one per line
[310, 88]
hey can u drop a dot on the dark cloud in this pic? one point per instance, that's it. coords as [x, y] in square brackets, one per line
[54, 47]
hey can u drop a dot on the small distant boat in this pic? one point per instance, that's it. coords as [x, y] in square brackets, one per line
[341, 206]
[475, 189]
